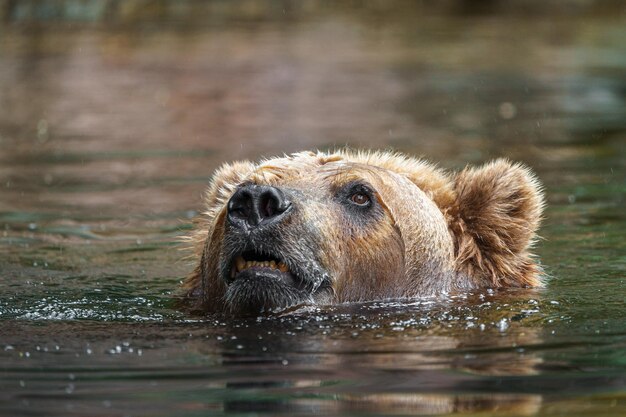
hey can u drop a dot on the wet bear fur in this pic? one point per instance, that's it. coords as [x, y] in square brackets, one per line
[426, 232]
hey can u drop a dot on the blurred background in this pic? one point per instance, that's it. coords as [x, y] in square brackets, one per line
[114, 114]
[126, 107]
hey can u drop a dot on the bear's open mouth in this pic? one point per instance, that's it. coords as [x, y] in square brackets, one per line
[252, 259]
[250, 264]
[263, 280]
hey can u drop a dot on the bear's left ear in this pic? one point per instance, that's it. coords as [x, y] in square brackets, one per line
[494, 221]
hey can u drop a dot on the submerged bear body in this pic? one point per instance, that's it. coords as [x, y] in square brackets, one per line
[323, 228]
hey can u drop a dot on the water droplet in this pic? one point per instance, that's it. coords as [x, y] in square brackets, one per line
[507, 110]
[42, 130]
[503, 325]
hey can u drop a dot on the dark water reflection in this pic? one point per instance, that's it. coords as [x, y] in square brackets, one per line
[113, 117]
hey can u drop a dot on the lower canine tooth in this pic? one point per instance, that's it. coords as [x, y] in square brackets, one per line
[240, 263]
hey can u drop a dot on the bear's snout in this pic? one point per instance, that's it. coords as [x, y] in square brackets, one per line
[257, 205]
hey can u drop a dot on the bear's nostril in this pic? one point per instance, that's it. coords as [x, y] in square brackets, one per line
[268, 207]
[255, 204]
[240, 205]
[239, 212]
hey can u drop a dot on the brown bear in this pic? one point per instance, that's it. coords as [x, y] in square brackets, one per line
[323, 228]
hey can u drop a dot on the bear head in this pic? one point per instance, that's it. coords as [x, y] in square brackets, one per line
[323, 228]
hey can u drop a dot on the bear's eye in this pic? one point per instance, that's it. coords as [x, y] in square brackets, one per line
[358, 195]
[360, 199]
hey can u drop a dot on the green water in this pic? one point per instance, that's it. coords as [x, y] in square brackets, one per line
[113, 115]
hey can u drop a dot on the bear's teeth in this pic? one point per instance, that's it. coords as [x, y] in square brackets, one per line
[241, 265]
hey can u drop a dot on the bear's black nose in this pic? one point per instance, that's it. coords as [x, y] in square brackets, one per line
[254, 205]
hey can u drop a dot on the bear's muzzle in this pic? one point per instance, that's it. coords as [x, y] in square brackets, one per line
[264, 268]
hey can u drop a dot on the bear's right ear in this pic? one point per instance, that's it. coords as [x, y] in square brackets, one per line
[495, 218]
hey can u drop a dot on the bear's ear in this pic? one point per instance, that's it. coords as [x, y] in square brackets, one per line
[495, 217]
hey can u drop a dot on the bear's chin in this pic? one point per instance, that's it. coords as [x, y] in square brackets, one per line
[258, 294]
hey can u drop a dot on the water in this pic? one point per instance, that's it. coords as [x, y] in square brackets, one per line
[113, 117]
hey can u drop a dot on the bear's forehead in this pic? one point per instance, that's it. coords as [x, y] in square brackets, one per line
[316, 168]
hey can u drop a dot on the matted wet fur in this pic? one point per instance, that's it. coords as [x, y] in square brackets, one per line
[323, 228]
